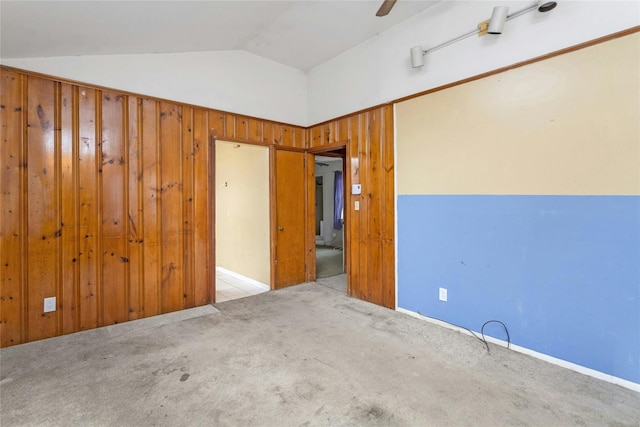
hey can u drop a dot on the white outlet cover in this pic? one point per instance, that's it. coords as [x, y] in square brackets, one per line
[49, 304]
[443, 294]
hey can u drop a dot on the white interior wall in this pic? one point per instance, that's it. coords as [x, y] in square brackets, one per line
[379, 70]
[234, 81]
[375, 72]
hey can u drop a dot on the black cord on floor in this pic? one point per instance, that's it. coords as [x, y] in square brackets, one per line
[483, 339]
[505, 330]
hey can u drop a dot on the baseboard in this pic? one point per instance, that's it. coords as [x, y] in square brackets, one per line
[559, 362]
[244, 278]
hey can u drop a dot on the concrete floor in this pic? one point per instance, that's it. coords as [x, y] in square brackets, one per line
[302, 356]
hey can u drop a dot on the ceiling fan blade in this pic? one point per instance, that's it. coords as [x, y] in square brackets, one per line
[386, 7]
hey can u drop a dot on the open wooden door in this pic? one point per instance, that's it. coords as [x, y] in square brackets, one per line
[290, 218]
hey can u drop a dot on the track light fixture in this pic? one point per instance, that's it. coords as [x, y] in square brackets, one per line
[494, 25]
[417, 57]
[498, 18]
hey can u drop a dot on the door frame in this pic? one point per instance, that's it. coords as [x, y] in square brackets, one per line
[339, 149]
[211, 194]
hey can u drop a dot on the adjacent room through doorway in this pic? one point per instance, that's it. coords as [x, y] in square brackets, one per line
[329, 217]
[243, 265]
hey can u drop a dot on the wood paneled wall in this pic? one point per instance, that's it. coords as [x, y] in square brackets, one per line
[106, 203]
[370, 231]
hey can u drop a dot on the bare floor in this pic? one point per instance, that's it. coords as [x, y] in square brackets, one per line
[329, 261]
[230, 287]
[303, 356]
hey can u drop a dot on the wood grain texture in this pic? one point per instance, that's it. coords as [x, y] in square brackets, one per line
[12, 295]
[135, 212]
[87, 197]
[291, 221]
[201, 203]
[171, 207]
[369, 230]
[151, 249]
[43, 227]
[113, 202]
[107, 203]
[310, 230]
[69, 211]
[105, 206]
[188, 212]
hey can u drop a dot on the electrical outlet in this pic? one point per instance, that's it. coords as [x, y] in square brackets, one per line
[443, 294]
[49, 304]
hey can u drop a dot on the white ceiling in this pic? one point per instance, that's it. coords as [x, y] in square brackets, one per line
[298, 33]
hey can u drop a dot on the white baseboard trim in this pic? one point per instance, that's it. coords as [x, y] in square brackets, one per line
[244, 278]
[559, 362]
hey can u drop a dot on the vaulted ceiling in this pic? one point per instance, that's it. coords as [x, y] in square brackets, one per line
[298, 33]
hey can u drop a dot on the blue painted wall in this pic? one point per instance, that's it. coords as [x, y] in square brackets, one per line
[562, 272]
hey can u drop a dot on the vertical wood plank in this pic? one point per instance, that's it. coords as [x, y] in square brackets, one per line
[57, 188]
[388, 213]
[363, 237]
[342, 131]
[310, 232]
[300, 138]
[151, 207]
[134, 220]
[241, 128]
[69, 193]
[330, 132]
[171, 207]
[287, 136]
[114, 196]
[43, 228]
[360, 132]
[254, 130]
[216, 123]
[267, 132]
[88, 223]
[202, 205]
[375, 208]
[273, 215]
[188, 206]
[230, 126]
[277, 134]
[348, 202]
[12, 296]
[320, 137]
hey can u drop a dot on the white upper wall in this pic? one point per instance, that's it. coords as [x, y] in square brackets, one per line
[375, 72]
[379, 70]
[234, 81]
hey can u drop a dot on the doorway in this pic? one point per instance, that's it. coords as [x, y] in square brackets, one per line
[330, 220]
[241, 220]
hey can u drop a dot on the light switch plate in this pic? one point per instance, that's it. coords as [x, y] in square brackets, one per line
[49, 304]
[443, 294]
